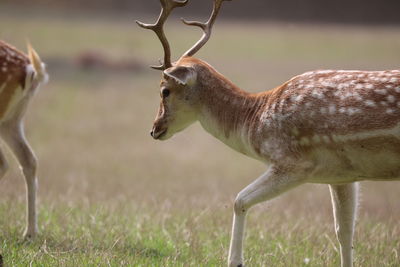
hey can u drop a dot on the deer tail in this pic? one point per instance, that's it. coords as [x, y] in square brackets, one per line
[38, 66]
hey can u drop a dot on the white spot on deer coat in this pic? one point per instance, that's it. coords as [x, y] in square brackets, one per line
[282, 103]
[352, 111]
[296, 98]
[332, 109]
[391, 99]
[381, 91]
[328, 84]
[359, 86]
[384, 103]
[370, 103]
[317, 94]
[389, 111]
[338, 77]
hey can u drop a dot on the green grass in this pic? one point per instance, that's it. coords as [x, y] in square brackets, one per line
[94, 235]
[111, 196]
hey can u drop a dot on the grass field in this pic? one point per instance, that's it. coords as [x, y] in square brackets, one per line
[111, 196]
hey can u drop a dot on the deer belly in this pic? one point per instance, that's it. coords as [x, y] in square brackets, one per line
[364, 160]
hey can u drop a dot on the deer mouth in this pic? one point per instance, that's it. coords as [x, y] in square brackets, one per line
[159, 134]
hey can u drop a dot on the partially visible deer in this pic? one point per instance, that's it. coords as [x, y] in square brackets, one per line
[20, 77]
[329, 126]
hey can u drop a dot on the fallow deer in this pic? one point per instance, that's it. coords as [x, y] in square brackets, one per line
[332, 127]
[20, 77]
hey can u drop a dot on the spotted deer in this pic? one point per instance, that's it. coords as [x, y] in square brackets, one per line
[332, 127]
[20, 77]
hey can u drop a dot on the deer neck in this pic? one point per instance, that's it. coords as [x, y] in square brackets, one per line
[230, 114]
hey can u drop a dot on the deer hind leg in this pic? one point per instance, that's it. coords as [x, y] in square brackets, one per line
[13, 135]
[344, 202]
[273, 183]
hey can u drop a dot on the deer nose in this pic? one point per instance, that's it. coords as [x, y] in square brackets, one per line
[152, 133]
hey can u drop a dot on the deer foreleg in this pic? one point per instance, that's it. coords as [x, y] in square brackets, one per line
[13, 135]
[273, 183]
[344, 202]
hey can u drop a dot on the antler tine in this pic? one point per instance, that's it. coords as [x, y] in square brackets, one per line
[206, 27]
[158, 29]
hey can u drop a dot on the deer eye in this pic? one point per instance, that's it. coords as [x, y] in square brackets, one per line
[165, 93]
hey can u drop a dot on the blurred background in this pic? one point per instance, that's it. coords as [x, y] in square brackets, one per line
[341, 11]
[132, 199]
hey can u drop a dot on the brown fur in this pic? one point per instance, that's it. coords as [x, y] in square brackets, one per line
[319, 105]
[12, 73]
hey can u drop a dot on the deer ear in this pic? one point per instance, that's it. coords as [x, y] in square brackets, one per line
[181, 75]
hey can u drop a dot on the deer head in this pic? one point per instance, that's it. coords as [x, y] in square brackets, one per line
[179, 84]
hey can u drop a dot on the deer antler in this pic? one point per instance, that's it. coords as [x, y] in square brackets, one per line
[167, 7]
[206, 27]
